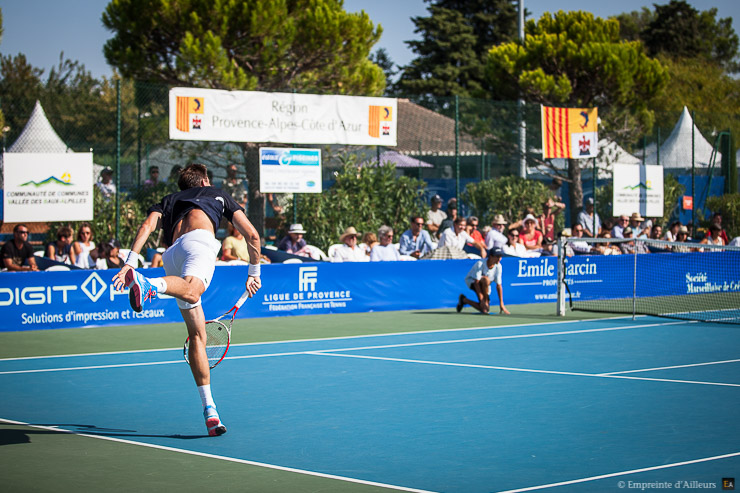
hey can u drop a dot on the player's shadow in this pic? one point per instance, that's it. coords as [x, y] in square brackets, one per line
[13, 435]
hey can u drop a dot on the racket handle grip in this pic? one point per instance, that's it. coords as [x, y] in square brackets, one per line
[241, 300]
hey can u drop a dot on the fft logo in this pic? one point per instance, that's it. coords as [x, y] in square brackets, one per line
[307, 277]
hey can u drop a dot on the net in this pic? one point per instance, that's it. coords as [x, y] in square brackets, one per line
[686, 281]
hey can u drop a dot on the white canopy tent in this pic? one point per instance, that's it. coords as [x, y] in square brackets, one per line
[675, 152]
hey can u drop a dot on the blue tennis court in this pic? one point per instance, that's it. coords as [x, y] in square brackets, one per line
[594, 405]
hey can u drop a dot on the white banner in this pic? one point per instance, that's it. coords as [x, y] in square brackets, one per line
[290, 170]
[638, 189]
[248, 116]
[48, 187]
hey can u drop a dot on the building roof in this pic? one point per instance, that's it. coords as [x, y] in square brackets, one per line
[425, 132]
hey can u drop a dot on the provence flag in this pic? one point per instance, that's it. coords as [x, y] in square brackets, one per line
[185, 108]
[569, 133]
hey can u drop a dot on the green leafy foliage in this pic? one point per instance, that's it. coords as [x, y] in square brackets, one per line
[509, 195]
[364, 197]
[729, 206]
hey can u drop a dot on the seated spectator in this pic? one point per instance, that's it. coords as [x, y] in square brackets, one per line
[385, 249]
[234, 246]
[495, 238]
[153, 179]
[681, 245]
[457, 237]
[17, 252]
[606, 248]
[415, 241]
[435, 216]
[369, 240]
[549, 247]
[61, 250]
[105, 185]
[636, 222]
[713, 238]
[157, 260]
[515, 247]
[451, 216]
[550, 209]
[628, 247]
[349, 251]
[672, 233]
[586, 219]
[579, 247]
[293, 242]
[717, 219]
[472, 229]
[528, 211]
[108, 255]
[618, 228]
[530, 237]
[84, 247]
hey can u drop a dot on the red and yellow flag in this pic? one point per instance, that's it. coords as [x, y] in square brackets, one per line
[569, 132]
[378, 115]
[185, 107]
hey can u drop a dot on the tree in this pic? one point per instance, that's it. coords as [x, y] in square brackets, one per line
[20, 87]
[382, 59]
[455, 39]
[573, 59]
[303, 45]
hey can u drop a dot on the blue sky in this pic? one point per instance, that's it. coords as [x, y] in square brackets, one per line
[42, 29]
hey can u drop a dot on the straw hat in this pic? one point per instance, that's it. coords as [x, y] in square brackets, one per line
[499, 219]
[636, 217]
[351, 231]
[297, 228]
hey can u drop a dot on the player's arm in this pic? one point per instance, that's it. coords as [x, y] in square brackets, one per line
[149, 225]
[245, 227]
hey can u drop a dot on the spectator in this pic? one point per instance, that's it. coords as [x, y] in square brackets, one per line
[550, 209]
[586, 219]
[457, 237]
[555, 187]
[84, 247]
[293, 242]
[515, 247]
[717, 219]
[606, 248]
[681, 245]
[656, 232]
[349, 251]
[235, 186]
[61, 250]
[369, 240]
[18, 251]
[618, 229]
[628, 247]
[579, 247]
[528, 211]
[495, 238]
[529, 236]
[234, 246]
[714, 237]
[672, 232]
[385, 250]
[636, 223]
[451, 216]
[105, 184]
[416, 241]
[108, 255]
[472, 229]
[435, 216]
[153, 179]
[735, 242]
[481, 276]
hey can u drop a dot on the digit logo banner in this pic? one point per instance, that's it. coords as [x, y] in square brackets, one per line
[569, 133]
[251, 116]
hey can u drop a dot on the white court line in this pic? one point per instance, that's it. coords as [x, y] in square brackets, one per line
[622, 473]
[691, 365]
[338, 338]
[523, 370]
[219, 457]
[359, 348]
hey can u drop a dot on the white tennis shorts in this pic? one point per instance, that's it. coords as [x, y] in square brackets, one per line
[192, 254]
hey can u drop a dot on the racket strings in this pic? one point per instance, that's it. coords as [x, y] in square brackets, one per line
[217, 341]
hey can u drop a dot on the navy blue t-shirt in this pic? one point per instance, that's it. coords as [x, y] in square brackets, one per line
[213, 201]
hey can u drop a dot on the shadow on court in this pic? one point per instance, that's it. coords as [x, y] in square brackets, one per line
[17, 434]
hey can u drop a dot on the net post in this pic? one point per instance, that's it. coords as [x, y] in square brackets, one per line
[561, 277]
[634, 283]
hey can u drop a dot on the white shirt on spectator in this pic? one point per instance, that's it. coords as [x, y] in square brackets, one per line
[517, 250]
[449, 238]
[380, 252]
[344, 253]
[495, 238]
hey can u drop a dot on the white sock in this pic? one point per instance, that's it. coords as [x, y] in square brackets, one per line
[205, 396]
[159, 283]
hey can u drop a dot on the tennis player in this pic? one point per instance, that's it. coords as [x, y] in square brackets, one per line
[481, 276]
[189, 219]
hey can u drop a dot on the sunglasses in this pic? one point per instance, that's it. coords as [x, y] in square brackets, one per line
[23, 232]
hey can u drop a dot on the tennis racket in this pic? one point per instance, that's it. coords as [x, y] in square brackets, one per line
[218, 335]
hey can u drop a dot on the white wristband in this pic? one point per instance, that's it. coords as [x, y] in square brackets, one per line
[254, 270]
[132, 259]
